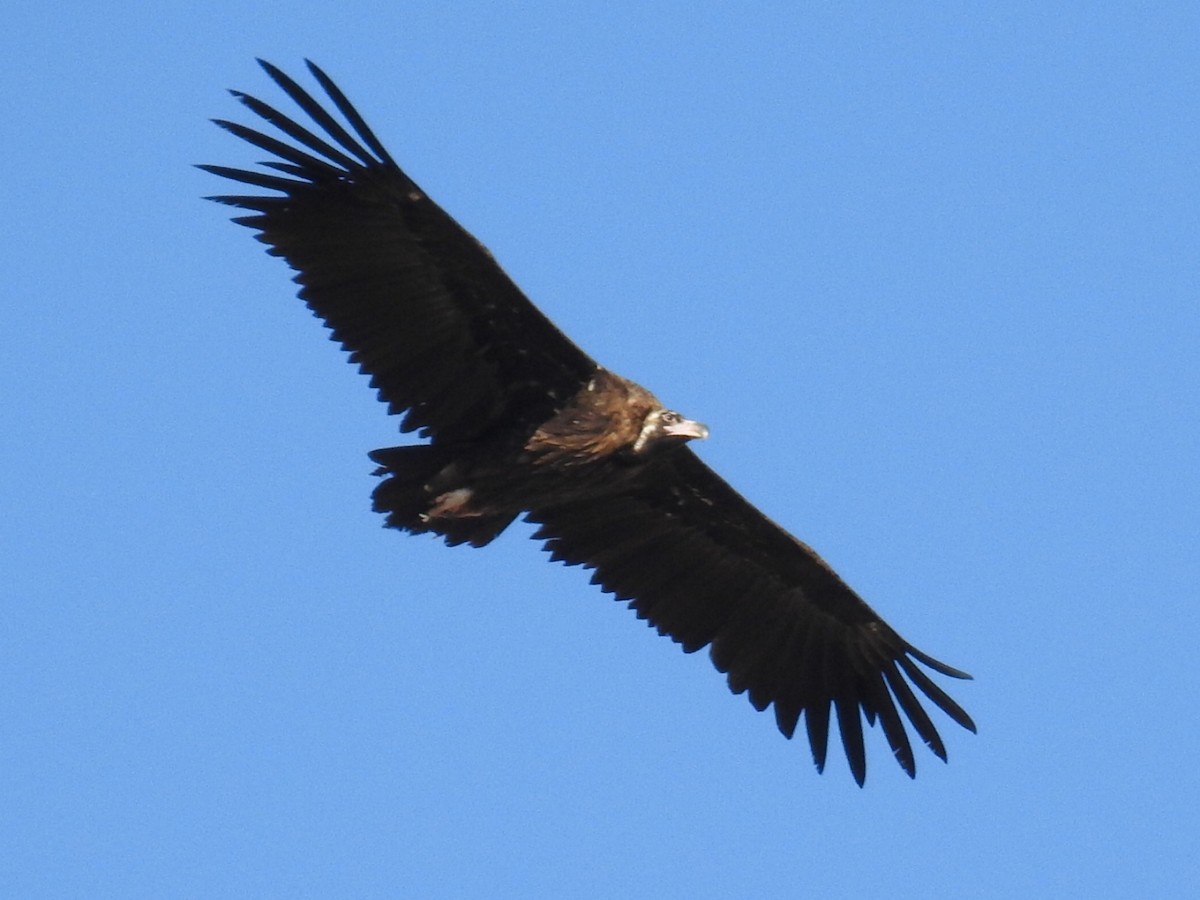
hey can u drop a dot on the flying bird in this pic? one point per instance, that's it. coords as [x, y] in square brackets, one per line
[521, 421]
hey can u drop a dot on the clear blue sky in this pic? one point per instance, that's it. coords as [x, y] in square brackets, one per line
[932, 279]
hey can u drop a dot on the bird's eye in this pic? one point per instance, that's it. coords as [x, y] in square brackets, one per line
[669, 418]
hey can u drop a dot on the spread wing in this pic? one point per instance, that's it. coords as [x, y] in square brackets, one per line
[704, 566]
[419, 303]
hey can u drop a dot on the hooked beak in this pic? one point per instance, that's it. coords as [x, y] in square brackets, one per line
[687, 429]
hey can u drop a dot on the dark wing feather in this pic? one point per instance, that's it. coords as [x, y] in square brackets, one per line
[420, 304]
[705, 567]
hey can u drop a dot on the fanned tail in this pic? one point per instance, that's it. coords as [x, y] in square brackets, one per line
[420, 495]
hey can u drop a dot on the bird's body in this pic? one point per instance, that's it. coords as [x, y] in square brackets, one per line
[610, 432]
[521, 421]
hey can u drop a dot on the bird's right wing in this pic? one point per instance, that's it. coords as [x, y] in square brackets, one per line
[704, 566]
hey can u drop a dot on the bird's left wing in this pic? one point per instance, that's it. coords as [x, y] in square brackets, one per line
[704, 566]
[420, 304]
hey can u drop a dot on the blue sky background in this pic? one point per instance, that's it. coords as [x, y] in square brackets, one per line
[931, 277]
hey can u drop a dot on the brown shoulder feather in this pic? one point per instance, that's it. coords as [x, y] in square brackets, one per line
[604, 418]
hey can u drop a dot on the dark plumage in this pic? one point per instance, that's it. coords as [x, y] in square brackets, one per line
[521, 421]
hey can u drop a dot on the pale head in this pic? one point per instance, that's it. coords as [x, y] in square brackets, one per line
[665, 427]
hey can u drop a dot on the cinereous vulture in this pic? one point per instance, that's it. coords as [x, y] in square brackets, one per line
[521, 421]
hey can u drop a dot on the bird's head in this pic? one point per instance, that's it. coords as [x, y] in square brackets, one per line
[666, 428]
